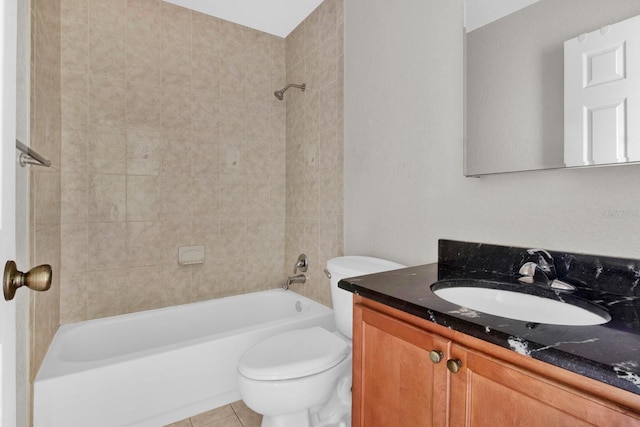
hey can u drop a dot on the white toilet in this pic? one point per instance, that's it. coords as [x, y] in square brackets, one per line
[302, 378]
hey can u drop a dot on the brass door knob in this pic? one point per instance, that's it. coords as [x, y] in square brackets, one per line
[436, 356]
[38, 279]
[454, 365]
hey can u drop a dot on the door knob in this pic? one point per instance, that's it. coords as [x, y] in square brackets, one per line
[38, 279]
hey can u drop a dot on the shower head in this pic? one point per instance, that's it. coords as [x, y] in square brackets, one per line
[280, 93]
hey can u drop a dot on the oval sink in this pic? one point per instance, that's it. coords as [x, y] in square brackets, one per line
[522, 306]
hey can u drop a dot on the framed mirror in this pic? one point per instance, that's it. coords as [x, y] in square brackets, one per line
[515, 117]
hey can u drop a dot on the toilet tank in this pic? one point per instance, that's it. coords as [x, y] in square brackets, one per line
[351, 266]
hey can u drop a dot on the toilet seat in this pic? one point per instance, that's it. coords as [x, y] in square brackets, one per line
[293, 354]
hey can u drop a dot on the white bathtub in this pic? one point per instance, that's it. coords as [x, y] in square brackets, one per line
[156, 367]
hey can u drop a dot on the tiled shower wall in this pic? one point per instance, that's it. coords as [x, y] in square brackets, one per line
[44, 204]
[171, 137]
[314, 176]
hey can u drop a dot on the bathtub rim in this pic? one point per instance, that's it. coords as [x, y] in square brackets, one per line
[54, 367]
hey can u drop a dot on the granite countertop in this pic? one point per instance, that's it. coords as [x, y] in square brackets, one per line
[609, 353]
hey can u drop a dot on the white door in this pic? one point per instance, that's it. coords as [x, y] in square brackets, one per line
[602, 91]
[8, 37]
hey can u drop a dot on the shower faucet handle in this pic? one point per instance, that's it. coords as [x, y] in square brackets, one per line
[302, 264]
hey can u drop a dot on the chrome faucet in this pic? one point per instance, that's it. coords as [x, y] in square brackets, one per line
[545, 262]
[543, 272]
[300, 278]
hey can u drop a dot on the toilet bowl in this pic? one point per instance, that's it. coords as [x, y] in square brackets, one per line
[302, 378]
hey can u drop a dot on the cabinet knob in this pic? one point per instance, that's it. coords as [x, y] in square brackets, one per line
[454, 365]
[435, 356]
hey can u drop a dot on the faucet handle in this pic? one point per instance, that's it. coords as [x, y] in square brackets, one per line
[545, 262]
[302, 264]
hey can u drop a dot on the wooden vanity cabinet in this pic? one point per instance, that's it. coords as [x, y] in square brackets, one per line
[396, 383]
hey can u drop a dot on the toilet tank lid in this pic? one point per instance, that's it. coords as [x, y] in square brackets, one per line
[355, 265]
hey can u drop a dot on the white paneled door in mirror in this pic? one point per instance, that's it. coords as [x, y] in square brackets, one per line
[602, 91]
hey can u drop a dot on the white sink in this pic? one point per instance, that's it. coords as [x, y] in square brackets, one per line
[525, 307]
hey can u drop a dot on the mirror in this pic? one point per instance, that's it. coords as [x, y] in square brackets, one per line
[515, 74]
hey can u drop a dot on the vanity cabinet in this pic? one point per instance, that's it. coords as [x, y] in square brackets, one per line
[411, 372]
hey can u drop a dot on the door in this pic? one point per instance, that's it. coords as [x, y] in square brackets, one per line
[489, 392]
[8, 43]
[395, 381]
[601, 87]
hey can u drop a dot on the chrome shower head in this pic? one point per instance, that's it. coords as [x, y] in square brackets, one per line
[280, 93]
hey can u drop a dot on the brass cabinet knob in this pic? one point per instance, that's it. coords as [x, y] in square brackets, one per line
[454, 365]
[436, 356]
[38, 279]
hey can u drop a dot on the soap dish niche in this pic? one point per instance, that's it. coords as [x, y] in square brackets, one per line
[189, 255]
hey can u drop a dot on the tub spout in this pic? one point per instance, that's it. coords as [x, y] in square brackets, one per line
[300, 278]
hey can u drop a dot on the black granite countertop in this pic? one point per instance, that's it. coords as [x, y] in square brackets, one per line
[609, 353]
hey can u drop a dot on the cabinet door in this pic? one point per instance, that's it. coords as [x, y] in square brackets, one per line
[488, 392]
[395, 383]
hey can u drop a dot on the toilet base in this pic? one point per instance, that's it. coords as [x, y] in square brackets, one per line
[298, 419]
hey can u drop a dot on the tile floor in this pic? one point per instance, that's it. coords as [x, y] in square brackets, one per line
[236, 414]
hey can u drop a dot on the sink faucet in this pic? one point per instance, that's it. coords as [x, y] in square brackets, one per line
[545, 262]
[543, 272]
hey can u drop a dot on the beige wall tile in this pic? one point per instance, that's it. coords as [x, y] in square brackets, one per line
[108, 14]
[74, 149]
[176, 25]
[47, 38]
[75, 96]
[143, 152]
[175, 196]
[176, 107]
[107, 197]
[176, 65]
[142, 243]
[105, 295]
[206, 35]
[75, 10]
[46, 192]
[75, 193]
[144, 19]
[107, 150]
[73, 297]
[74, 46]
[107, 102]
[142, 198]
[75, 248]
[107, 52]
[107, 246]
[144, 106]
[144, 59]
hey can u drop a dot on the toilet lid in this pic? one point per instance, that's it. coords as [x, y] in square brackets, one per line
[293, 354]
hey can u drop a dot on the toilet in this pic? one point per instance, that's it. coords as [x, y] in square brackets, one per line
[302, 378]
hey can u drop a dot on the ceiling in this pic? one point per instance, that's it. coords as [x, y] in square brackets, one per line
[277, 17]
[482, 12]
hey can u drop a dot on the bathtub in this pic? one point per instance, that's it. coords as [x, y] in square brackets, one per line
[156, 367]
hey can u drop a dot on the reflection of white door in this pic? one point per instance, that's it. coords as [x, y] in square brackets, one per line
[602, 90]
[8, 35]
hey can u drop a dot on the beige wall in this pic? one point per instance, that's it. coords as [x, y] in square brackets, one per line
[315, 146]
[172, 136]
[45, 182]
[404, 187]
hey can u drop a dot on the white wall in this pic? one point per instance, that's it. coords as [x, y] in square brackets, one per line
[404, 187]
